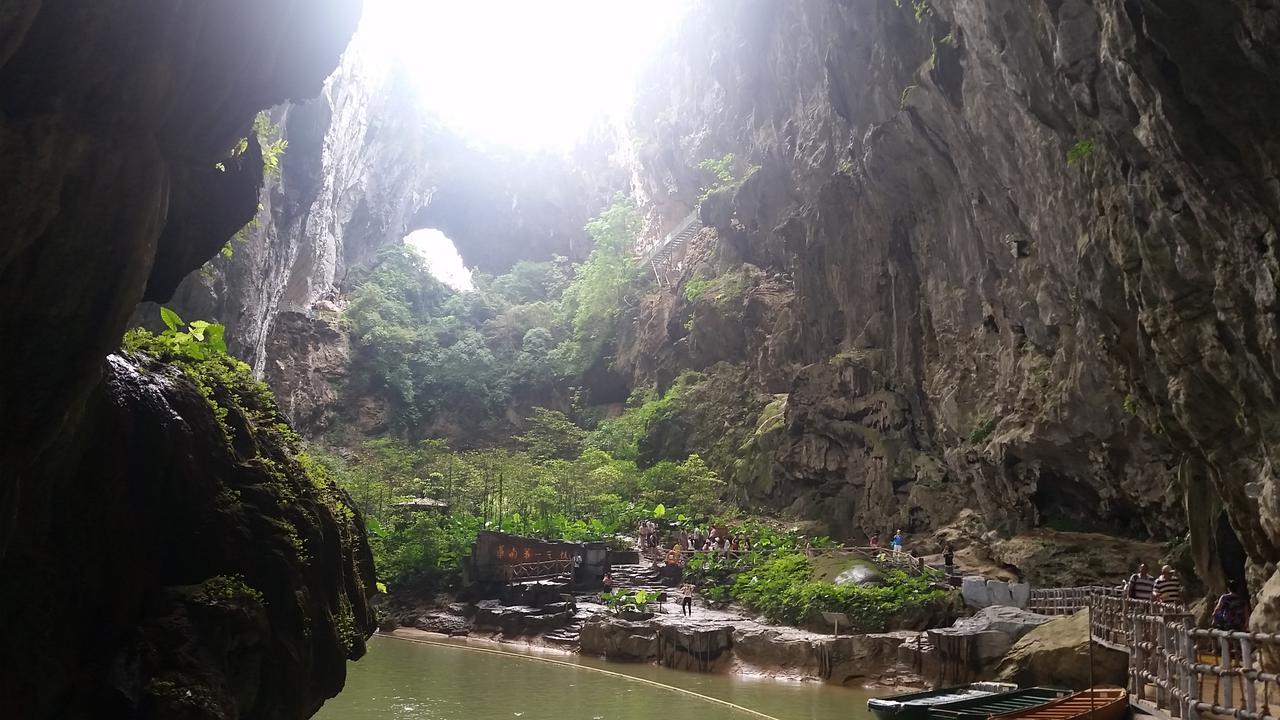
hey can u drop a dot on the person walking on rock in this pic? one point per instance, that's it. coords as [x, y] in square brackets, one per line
[686, 599]
[1141, 585]
[949, 560]
[1169, 586]
[897, 541]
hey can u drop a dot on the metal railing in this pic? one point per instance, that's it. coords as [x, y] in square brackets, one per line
[537, 570]
[1175, 669]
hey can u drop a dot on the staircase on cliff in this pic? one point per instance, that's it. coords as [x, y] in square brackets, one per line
[666, 255]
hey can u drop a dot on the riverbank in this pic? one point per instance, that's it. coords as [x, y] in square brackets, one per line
[711, 640]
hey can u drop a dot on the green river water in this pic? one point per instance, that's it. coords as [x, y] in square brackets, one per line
[404, 680]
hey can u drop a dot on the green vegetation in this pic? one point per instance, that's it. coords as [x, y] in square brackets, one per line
[431, 352]
[595, 299]
[783, 590]
[1130, 405]
[224, 382]
[273, 147]
[983, 430]
[728, 172]
[723, 290]
[552, 488]
[223, 589]
[906, 95]
[777, 580]
[922, 10]
[622, 601]
[1079, 151]
[199, 341]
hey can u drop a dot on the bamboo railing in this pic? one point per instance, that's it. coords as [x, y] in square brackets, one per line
[1175, 669]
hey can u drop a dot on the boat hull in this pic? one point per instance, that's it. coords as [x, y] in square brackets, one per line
[915, 705]
[1002, 703]
[1093, 704]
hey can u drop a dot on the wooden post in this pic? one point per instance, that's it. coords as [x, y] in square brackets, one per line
[1246, 675]
[1166, 666]
[1224, 671]
[1136, 661]
[1193, 688]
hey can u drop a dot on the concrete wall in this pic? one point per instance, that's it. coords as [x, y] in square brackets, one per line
[980, 592]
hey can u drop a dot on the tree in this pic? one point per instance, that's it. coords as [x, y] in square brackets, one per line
[551, 435]
[595, 297]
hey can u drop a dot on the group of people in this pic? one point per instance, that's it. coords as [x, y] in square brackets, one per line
[1230, 612]
[648, 532]
[715, 539]
[1167, 588]
[873, 539]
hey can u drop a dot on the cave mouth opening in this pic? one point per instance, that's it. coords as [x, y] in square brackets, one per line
[441, 257]
[531, 75]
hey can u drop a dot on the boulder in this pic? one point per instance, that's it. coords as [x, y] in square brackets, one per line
[444, 623]
[1057, 653]
[619, 639]
[973, 645]
[859, 574]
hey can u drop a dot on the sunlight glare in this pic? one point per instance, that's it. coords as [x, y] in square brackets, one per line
[441, 257]
[527, 74]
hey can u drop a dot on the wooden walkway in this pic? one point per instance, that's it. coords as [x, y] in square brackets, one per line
[1177, 670]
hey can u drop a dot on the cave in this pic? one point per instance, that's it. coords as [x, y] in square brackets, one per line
[1071, 505]
[1230, 551]
[248, 269]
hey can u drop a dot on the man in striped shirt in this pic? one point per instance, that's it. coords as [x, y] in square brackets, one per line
[1141, 584]
[1169, 586]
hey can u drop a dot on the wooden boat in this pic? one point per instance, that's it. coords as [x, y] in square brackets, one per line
[1093, 704]
[981, 708]
[915, 705]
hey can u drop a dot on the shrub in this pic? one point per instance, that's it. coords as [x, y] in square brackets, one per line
[983, 430]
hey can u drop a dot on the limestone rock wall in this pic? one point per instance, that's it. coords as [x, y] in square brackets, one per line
[113, 118]
[1031, 245]
[366, 165]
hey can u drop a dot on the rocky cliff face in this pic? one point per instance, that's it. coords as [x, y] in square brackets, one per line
[1031, 249]
[136, 587]
[364, 167]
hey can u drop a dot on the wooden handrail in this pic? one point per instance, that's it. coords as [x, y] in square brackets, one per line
[1175, 669]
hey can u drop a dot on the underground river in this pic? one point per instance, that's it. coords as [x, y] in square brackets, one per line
[406, 680]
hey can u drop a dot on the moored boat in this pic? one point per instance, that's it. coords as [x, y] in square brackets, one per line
[981, 708]
[1092, 704]
[915, 705]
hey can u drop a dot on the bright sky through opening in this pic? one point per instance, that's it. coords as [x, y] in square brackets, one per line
[527, 74]
[441, 258]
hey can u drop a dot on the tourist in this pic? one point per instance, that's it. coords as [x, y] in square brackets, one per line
[874, 539]
[686, 599]
[1232, 611]
[949, 560]
[1168, 587]
[675, 557]
[607, 583]
[897, 541]
[1141, 585]
[746, 543]
[643, 531]
[735, 544]
[808, 549]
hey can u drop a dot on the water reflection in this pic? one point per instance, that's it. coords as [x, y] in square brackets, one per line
[411, 681]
